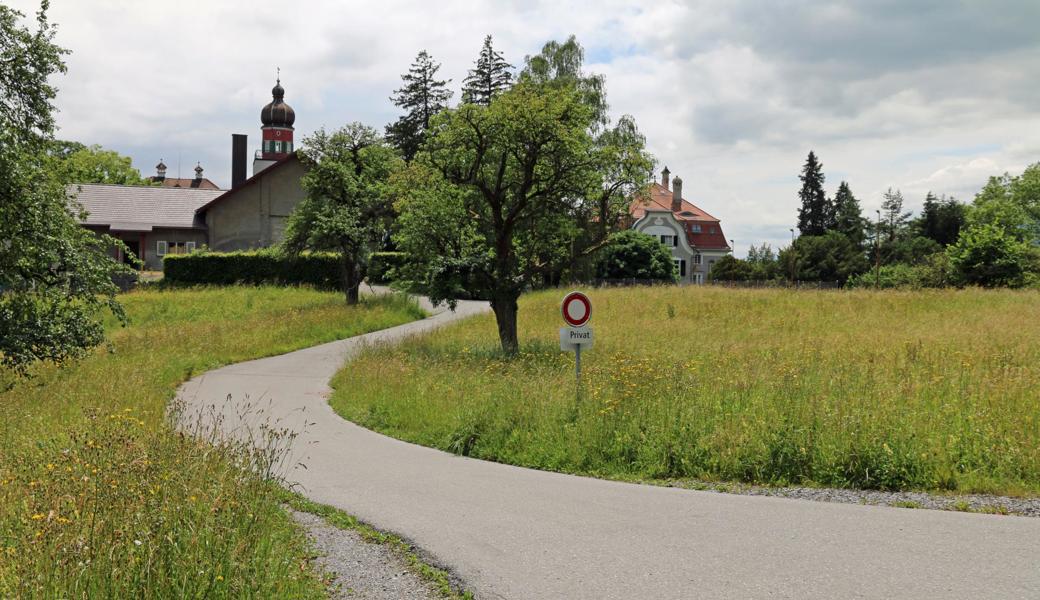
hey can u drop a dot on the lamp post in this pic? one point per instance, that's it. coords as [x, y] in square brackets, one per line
[794, 259]
[877, 252]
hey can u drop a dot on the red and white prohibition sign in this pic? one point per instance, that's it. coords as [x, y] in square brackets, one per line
[576, 309]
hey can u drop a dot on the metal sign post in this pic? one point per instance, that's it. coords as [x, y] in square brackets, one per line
[577, 310]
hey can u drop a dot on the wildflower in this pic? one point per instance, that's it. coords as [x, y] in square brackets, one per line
[137, 542]
[37, 517]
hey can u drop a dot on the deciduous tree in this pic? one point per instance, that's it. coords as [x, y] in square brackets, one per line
[347, 209]
[55, 276]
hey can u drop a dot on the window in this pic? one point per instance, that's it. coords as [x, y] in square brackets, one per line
[160, 248]
[164, 248]
[680, 264]
[696, 228]
[277, 146]
[710, 264]
[190, 247]
[712, 230]
[670, 240]
[698, 278]
[696, 259]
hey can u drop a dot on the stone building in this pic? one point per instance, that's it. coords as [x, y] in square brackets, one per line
[181, 215]
[694, 237]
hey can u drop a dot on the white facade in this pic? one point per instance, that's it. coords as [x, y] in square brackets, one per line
[693, 264]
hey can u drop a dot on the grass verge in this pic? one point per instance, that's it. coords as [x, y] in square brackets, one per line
[930, 390]
[101, 498]
[439, 578]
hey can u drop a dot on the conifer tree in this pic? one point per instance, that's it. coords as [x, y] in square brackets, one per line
[422, 96]
[893, 219]
[848, 218]
[816, 215]
[490, 77]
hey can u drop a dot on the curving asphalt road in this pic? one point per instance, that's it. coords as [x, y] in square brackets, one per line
[517, 533]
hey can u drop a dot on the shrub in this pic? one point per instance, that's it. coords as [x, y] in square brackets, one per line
[634, 255]
[384, 266]
[253, 268]
[932, 272]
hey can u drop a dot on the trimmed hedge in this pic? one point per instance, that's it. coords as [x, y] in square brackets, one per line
[261, 267]
[252, 268]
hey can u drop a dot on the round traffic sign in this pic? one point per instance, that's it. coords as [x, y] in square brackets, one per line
[576, 309]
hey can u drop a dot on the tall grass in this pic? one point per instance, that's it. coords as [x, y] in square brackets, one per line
[935, 390]
[101, 498]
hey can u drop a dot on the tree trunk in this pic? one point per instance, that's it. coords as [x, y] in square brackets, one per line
[351, 280]
[505, 307]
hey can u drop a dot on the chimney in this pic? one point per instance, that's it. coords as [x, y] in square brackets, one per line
[664, 178]
[160, 171]
[676, 194]
[238, 159]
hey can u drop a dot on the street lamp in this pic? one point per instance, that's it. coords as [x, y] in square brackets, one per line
[877, 252]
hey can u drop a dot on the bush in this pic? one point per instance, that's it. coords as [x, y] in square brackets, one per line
[634, 255]
[730, 268]
[932, 272]
[253, 268]
[384, 266]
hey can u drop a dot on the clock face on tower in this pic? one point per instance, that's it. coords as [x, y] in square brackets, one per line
[277, 133]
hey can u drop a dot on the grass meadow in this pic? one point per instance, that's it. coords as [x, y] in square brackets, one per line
[101, 498]
[926, 390]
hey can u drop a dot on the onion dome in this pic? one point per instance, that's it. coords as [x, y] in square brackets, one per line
[277, 113]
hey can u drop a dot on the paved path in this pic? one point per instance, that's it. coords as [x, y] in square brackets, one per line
[517, 533]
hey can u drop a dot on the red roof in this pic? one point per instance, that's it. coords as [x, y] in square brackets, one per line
[702, 230]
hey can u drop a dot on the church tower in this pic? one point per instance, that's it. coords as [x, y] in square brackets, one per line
[277, 131]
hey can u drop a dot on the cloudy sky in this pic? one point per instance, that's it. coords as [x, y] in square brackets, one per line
[731, 94]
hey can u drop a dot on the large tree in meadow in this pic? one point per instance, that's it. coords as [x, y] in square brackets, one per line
[490, 76]
[816, 213]
[347, 209]
[503, 192]
[422, 96]
[55, 276]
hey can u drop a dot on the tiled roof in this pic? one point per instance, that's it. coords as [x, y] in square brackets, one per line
[140, 208]
[186, 182]
[689, 216]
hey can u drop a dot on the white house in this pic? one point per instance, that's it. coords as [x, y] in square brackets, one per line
[695, 237]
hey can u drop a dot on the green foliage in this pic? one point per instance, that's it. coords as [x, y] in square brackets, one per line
[889, 390]
[257, 267]
[559, 66]
[507, 195]
[384, 266]
[347, 210]
[56, 278]
[816, 213]
[941, 219]
[848, 218]
[94, 164]
[908, 249]
[731, 268]
[894, 221]
[490, 76]
[100, 497]
[932, 271]
[828, 257]
[1011, 203]
[633, 255]
[423, 96]
[990, 256]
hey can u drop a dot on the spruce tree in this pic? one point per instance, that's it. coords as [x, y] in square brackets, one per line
[848, 218]
[490, 77]
[941, 219]
[816, 215]
[422, 96]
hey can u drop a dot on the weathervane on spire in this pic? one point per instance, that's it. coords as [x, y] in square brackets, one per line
[278, 76]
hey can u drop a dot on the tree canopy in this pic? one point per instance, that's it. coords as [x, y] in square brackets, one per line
[76, 163]
[505, 194]
[422, 97]
[347, 209]
[55, 276]
[634, 255]
[490, 76]
[816, 213]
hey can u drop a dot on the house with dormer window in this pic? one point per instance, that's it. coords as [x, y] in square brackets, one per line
[694, 237]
